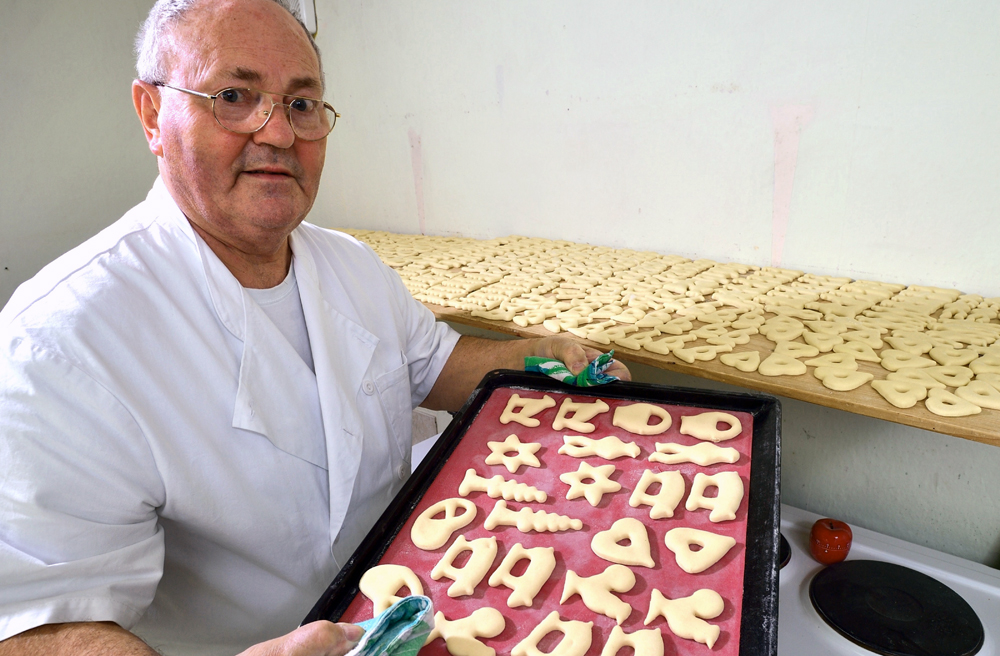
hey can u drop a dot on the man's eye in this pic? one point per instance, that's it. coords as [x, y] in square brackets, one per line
[233, 95]
[303, 104]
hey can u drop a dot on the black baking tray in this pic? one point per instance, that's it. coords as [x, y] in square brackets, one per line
[759, 622]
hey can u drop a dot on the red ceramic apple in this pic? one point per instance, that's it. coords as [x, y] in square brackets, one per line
[830, 540]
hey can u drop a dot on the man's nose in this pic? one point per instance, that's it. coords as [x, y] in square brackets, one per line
[277, 130]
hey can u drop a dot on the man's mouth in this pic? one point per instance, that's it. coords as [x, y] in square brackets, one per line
[269, 172]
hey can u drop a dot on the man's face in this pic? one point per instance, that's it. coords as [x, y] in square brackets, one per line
[246, 190]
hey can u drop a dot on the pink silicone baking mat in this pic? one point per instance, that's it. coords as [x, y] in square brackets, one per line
[573, 548]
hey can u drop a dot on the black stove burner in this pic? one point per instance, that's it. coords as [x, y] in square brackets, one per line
[784, 552]
[895, 611]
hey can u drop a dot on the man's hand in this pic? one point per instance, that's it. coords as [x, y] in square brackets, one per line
[474, 357]
[320, 638]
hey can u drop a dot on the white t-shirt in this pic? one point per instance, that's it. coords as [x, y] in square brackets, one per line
[283, 307]
[163, 462]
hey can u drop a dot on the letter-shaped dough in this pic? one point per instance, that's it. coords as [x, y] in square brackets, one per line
[596, 591]
[605, 543]
[901, 393]
[460, 636]
[981, 393]
[777, 364]
[951, 376]
[609, 448]
[541, 564]
[663, 502]
[841, 379]
[526, 520]
[601, 482]
[382, 582]
[575, 416]
[528, 409]
[706, 426]
[498, 487]
[635, 418]
[686, 616]
[946, 404]
[703, 453]
[525, 453]
[647, 642]
[429, 533]
[894, 360]
[713, 548]
[466, 578]
[727, 501]
[576, 639]
[745, 361]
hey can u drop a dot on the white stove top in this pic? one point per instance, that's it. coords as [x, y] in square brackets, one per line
[802, 632]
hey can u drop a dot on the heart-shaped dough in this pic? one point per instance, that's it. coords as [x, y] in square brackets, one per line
[605, 543]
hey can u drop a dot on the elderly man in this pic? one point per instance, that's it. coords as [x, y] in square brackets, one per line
[205, 407]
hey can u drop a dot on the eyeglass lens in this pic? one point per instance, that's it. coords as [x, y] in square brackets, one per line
[246, 110]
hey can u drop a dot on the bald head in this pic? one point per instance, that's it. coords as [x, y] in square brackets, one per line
[154, 43]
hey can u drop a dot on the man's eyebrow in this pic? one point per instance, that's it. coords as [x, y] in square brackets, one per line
[307, 82]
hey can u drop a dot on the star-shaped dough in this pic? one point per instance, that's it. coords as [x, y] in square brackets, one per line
[525, 453]
[593, 491]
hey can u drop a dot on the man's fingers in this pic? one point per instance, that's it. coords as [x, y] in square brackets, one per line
[320, 638]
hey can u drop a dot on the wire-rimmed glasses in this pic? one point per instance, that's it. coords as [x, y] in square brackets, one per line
[244, 110]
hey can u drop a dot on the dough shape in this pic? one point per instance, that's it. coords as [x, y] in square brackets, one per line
[843, 360]
[700, 353]
[945, 355]
[727, 500]
[575, 416]
[782, 333]
[841, 379]
[745, 361]
[859, 350]
[525, 453]
[497, 487]
[988, 363]
[686, 616]
[596, 591]
[777, 364]
[951, 376]
[635, 418]
[796, 349]
[576, 639]
[991, 378]
[647, 642]
[609, 448]
[527, 519]
[429, 534]
[541, 564]
[382, 583]
[916, 344]
[601, 482]
[916, 375]
[900, 393]
[467, 577]
[706, 426]
[703, 453]
[823, 343]
[893, 360]
[460, 636]
[528, 409]
[664, 502]
[637, 553]
[667, 346]
[981, 393]
[946, 404]
[713, 548]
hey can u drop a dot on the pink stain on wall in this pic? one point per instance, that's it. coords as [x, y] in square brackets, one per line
[788, 121]
[417, 162]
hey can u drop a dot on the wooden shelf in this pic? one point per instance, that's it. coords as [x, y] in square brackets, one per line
[983, 427]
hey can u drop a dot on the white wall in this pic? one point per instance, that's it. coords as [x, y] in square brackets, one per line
[72, 155]
[565, 119]
[665, 125]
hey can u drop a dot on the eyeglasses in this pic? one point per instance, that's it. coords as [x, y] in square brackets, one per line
[248, 110]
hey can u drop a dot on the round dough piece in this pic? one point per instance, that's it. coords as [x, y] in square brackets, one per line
[705, 426]
[635, 418]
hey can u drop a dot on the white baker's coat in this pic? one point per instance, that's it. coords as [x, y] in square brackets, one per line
[163, 463]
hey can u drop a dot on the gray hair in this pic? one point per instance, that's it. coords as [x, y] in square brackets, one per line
[149, 43]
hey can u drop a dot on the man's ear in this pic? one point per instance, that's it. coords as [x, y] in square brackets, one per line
[146, 98]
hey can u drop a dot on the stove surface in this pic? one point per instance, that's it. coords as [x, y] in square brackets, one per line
[801, 631]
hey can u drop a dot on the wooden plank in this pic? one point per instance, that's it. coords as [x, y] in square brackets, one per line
[983, 427]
